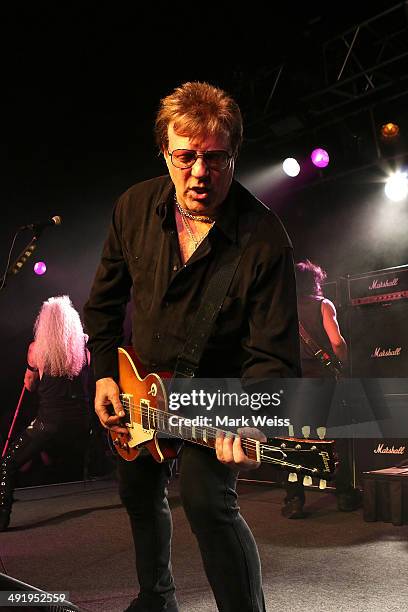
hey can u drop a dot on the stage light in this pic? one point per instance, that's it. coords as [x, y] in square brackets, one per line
[389, 130]
[291, 167]
[396, 187]
[320, 158]
[40, 268]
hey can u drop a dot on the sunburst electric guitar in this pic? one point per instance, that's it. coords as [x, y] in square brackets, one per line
[144, 401]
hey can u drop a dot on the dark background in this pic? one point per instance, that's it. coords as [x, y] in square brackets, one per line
[80, 89]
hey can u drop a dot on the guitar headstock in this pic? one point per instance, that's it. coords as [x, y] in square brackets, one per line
[301, 456]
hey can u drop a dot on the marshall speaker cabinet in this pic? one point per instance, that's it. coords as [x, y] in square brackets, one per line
[378, 454]
[378, 323]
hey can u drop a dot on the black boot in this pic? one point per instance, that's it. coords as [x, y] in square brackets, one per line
[144, 603]
[294, 500]
[8, 470]
[293, 508]
[6, 495]
[349, 500]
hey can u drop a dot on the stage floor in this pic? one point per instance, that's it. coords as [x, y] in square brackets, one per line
[75, 537]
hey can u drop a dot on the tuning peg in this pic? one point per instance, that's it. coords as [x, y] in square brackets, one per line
[307, 481]
[292, 477]
[291, 431]
[321, 432]
[322, 483]
[306, 431]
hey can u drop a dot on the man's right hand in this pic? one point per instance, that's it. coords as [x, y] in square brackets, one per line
[106, 398]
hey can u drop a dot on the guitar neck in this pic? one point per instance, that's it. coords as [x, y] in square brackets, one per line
[201, 433]
[205, 435]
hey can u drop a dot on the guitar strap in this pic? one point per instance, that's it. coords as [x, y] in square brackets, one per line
[212, 301]
[308, 340]
[315, 348]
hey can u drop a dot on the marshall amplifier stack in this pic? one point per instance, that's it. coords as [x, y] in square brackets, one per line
[377, 335]
[378, 323]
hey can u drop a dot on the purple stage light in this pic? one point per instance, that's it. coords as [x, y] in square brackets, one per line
[320, 158]
[40, 268]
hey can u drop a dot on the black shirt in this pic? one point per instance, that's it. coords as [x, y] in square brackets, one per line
[256, 332]
[65, 401]
[310, 315]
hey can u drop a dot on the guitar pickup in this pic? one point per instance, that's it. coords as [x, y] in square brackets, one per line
[126, 399]
[146, 416]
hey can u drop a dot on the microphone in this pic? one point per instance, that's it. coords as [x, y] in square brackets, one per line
[56, 220]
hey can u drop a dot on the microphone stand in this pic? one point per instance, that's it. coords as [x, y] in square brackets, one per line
[25, 254]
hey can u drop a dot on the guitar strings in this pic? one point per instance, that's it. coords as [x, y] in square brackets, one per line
[210, 432]
[248, 444]
[146, 410]
[128, 403]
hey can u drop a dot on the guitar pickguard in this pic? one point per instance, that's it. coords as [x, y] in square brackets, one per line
[138, 435]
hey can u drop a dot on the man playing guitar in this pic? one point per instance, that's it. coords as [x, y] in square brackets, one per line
[168, 238]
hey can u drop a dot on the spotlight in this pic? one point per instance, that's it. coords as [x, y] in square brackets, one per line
[40, 268]
[320, 158]
[396, 187]
[389, 130]
[291, 166]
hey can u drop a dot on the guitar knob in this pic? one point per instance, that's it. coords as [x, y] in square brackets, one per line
[292, 477]
[298, 447]
[283, 445]
[322, 483]
[313, 448]
[307, 481]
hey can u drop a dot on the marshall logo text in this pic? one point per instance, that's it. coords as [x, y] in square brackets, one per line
[386, 450]
[381, 352]
[376, 284]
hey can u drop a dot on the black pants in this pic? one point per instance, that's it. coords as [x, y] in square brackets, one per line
[67, 443]
[208, 495]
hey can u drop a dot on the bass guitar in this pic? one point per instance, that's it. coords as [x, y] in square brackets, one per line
[144, 401]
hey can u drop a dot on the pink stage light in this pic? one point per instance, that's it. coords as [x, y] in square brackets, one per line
[40, 268]
[320, 158]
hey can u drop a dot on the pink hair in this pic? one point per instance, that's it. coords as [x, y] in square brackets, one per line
[59, 342]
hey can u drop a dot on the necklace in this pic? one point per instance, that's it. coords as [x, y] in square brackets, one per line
[189, 215]
[188, 228]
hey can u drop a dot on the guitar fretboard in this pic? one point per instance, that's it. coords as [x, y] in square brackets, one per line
[152, 418]
[165, 422]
